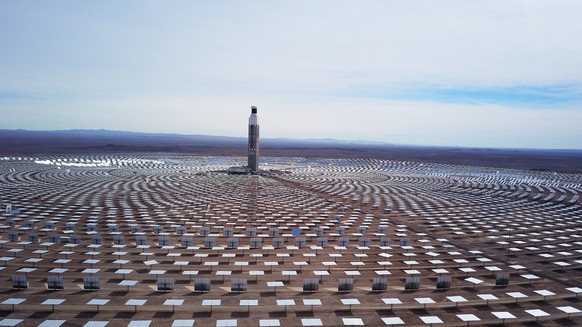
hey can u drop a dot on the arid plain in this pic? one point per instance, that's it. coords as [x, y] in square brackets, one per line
[126, 230]
[174, 240]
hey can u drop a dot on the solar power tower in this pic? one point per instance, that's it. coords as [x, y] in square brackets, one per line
[253, 160]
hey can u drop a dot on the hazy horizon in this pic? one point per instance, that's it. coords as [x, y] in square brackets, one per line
[320, 141]
[494, 74]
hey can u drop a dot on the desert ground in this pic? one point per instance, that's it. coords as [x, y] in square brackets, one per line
[173, 240]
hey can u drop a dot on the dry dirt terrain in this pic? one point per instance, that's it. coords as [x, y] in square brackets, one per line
[172, 240]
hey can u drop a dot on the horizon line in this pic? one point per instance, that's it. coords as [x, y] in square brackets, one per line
[308, 140]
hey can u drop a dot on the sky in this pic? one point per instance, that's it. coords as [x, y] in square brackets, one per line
[495, 73]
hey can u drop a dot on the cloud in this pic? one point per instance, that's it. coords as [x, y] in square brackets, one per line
[526, 97]
[403, 70]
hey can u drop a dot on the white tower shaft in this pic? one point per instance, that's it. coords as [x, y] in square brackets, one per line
[253, 158]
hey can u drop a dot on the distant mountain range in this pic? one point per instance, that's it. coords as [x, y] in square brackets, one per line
[103, 134]
[25, 142]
